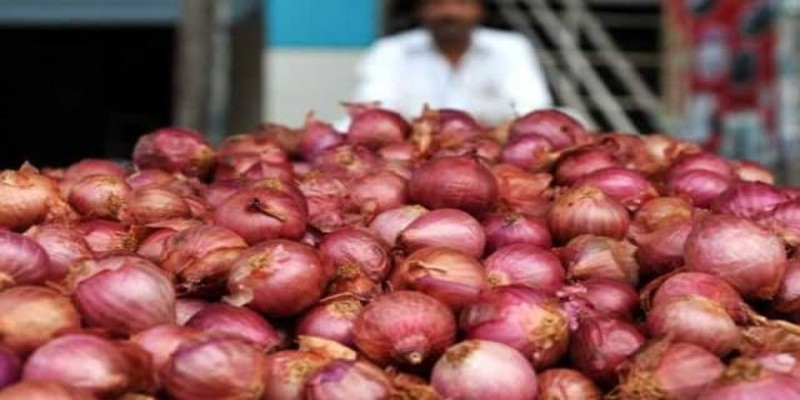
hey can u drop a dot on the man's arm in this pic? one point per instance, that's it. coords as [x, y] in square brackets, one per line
[525, 83]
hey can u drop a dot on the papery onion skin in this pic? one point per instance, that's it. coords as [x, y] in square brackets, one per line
[701, 186]
[100, 196]
[521, 191]
[278, 277]
[152, 247]
[344, 380]
[405, 328]
[748, 199]
[526, 265]
[407, 386]
[287, 372]
[601, 344]
[445, 227]
[590, 256]
[26, 197]
[30, 316]
[347, 161]
[745, 379]
[163, 340]
[389, 224]
[530, 322]
[704, 285]
[219, 368]
[609, 297]
[787, 300]
[10, 367]
[153, 205]
[628, 187]
[586, 210]
[566, 384]
[357, 247]
[461, 182]
[561, 129]
[22, 260]
[332, 319]
[224, 320]
[44, 390]
[748, 257]
[503, 229]
[378, 192]
[108, 237]
[480, 369]
[148, 178]
[186, 308]
[175, 149]
[662, 212]
[65, 247]
[259, 214]
[695, 320]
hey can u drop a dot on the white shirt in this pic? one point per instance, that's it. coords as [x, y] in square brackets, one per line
[498, 78]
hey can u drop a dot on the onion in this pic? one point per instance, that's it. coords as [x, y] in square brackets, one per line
[711, 287]
[787, 300]
[107, 237]
[585, 210]
[315, 137]
[250, 166]
[521, 191]
[461, 182]
[149, 178]
[696, 320]
[661, 213]
[748, 199]
[100, 196]
[218, 368]
[152, 247]
[701, 186]
[278, 277]
[30, 316]
[346, 380]
[784, 221]
[745, 379]
[748, 257]
[219, 319]
[174, 149]
[526, 265]
[589, 256]
[22, 261]
[389, 224]
[407, 386]
[561, 129]
[65, 248]
[405, 328]
[374, 127]
[479, 369]
[628, 187]
[398, 152]
[264, 145]
[447, 126]
[669, 370]
[186, 308]
[282, 186]
[87, 167]
[601, 344]
[662, 251]
[523, 151]
[219, 191]
[163, 340]
[153, 205]
[701, 162]
[480, 147]
[356, 248]
[503, 229]
[445, 227]
[608, 297]
[780, 362]
[752, 172]
[10, 367]
[126, 295]
[325, 196]
[288, 371]
[378, 192]
[199, 258]
[664, 149]
[347, 161]
[583, 161]
[44, 390]
[326, 347]
[259, 214]
[631, 150]
[448, 275]
[331, 319]
[350, 280]
[27, 198]
[566, 384]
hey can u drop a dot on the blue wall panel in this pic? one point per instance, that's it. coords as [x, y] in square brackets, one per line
[321, 23]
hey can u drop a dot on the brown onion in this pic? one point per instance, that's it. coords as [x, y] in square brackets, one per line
[224, 320]
[154, 205]
[609, 297]
[748, 199]
[745, 379]
[526, 265]
[27, 198]
[259, 214]
[589, 256]
[480, 369]
[65, 247]
[332, 319]
[186, 308]
[522, 318]
[461, 182]
[22, 261]
[521, 191]
[100, 196]
[711, 287]
[628, 187]
[445, 227]
[355, 247]
[405, 328]
[448, 275]
[389, 224]
[378, 192]
[566, 384]
[601, 344]
[374, 127]
[315, 137]
[696, 320]
[278, 277]
[522, 151]
[44, 390]
[30, 316]
[107, 237]
[163, 340]
[346, 380]
[558, 127]
[585, 210]
[175, 149]
[576, 164]
[508, 228]
[701, 186]
[287, 372]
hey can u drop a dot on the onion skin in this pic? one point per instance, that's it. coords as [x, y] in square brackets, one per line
[332, 319]
[347, 161]
[701, 162]
[522, 151]
[504, 229]
[186, 308]
[404, 328]
[589, 256]
[662, 212]
[628, 187]
[224, 320]
[460, 182]
[784, 221]
[44, 390]
[26, 198]
[287, 372]
[163, 340]
[608, 297]
[479, 369]
[701, 186]
[601, 344]
[10, 367]
[561, 129]
[259, 214]
[787, 300]
[175, 149]
[445, 227]
[661, 251]
[109, 237]
[748, 257]
[219, 368]
[22, 261]
[357, 247]
[88, 167]
[100, 196]
[586, 210]
[278, 278]
[65, 248]
[530, 322]
[315, 137]
[695, 320]
[31, 316]
[576, 164]
[745, 379]
[526, 265]
[152, 247]
[374, 127]
[521, 191]
[154, 205]
[704, 285]
[378, 192]
[566, 384]
[346, 380]
[748, 199]
[262, 144]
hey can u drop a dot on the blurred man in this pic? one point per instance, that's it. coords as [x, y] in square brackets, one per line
[453, 62]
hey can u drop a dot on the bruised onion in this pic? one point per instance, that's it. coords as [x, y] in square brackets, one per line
[480, 369]
[566, 384]
[523, 151]
[186, 308]
[461, 182]
[378, 192]
[558, 127]
[601, 344]
[30, 316]
[174, 149]
[576, 164]
[346, 380]
[224, 320]
[695, 320]
[404, 328]
[748, 199]
[589, 256]
[374, 127]
[745, 379]
[44, 390]
[585, 210]
[628, 187]
[65, 247]
[448, 275]
[162, 340]
[508, 228]
[106, 237]
[259, 214]
[153, 205]
[748, 257]
[521, 191]
[389, 224]
[701, 186]
[278, 277]
[331, 319]
[22, 261]
[287, 372]
[359, 248]
[609, 297]
[531, 322]
[316, 136]
[711, 287]
[445, 227]
[526, 265]
[27, 198]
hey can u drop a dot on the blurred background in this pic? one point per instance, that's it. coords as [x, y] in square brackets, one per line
[85, 78]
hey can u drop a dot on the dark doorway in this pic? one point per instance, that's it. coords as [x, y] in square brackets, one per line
[76, 92]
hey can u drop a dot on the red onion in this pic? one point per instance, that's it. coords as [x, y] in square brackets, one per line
[282, 186]
[631, 150]
[748, 257]
[22, 261]
[566, 384]
[126, 295]
[100, 196]
[250, 166]
[661, 251]
[356, 247]
[27, 198]
[10, 367]
[278, 277]
[398, 152]
[350, 280]
[589, 256]
[263, 145]
[585, 210]
[448, 126]
[480, 369]
[152, 247]
[583, 161]
[347, 161]
[748, 199]
[331, 319]
[448, 275]
[148, 178]
[784, 363]
[701, 162]
[701, 186]
[389, 224]
[175, 149]
[224, 320]
[325, 196]
[609, 297]
[87, 167]
[745, 379]
[784, 221]
[664, 149]
[711, 287]
[696, 320]
[521, 191]
[345, 380]
[523, 151]
[454, 182]
[186, 308]
[662, 212]
[153, 205]
[65, 247]
[288, 371]
[375, 127]
[752, 172]
[163, 340]
[669, 370]
[787, 300]
[407, 386]
[503, 229]
[378, 192]
[561, 129]
[218, 368]
[106, 237]
[445, 227]
[44, 390]
[404, 327]
[30, 316]
[527, 265]
[601, 344]
[326, 347]
[199, 258]
[480, 147]
[315, 137]
[627, 187]
[259, 214]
